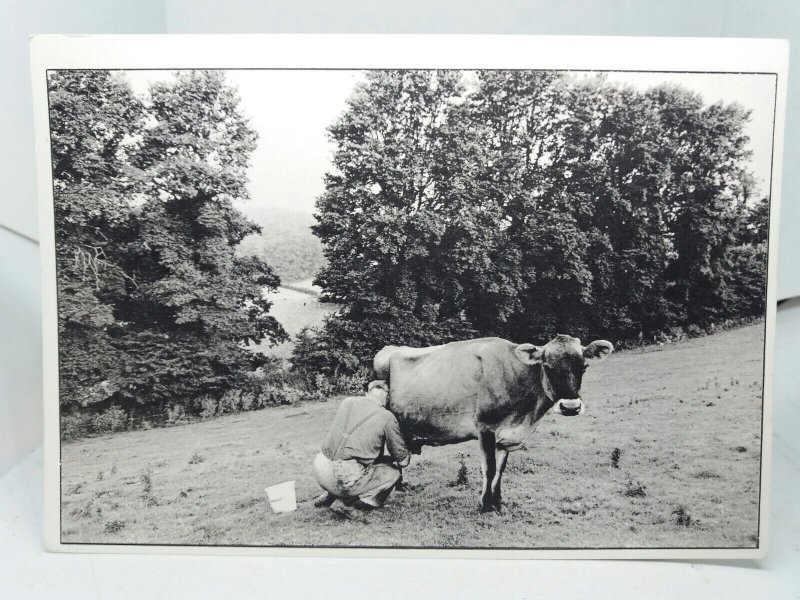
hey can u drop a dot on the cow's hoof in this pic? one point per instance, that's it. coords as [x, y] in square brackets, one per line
[485, 508]
[324, 501]
[498, 504]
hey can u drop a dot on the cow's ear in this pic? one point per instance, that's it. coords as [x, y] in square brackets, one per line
[529, 354]
[598, 349]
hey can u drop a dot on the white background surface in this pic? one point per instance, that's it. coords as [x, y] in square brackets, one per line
[26, 571]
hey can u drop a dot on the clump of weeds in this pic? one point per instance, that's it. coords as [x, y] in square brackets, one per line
[683, 518]
[616, 454]
[146, 479]
[114, 526]
[461, 476]
[636, 490]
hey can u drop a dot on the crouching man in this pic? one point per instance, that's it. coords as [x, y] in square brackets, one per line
[362, 454]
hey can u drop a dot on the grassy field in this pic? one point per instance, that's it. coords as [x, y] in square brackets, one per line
[667, 455]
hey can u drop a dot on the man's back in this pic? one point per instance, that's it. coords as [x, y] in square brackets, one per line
[359, 431]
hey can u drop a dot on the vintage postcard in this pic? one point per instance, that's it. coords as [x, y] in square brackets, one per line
[477, 296]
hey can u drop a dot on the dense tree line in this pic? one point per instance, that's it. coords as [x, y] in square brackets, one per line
[153, 300]
[524, 204]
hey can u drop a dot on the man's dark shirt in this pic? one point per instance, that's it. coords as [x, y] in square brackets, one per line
[361, 429]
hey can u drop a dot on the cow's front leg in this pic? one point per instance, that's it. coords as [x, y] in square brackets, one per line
[501, 458]
[488, 466]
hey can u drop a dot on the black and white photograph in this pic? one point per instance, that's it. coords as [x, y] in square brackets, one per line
[411, 308]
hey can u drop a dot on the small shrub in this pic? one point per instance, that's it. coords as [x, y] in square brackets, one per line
[616, 454]
[83, 511]
[146, 479]
[283, 395]
[694, 331]
[461, 476]
[740, 449]
[196, 458]
[635, 490]
[683, 518]
[175, 413]
[231, 402]
[352, 384]
[112, 419]
[706, 475]
[74, 426]
[324, 386]
[676, 333]
[208, 407]
[249, 400]
[114, 526]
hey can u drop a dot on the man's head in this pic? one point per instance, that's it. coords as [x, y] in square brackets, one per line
[378, 390]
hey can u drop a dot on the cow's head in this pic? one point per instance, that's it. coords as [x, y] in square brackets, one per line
[564, 361]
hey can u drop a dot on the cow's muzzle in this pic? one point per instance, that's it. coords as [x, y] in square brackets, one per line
[569, 408]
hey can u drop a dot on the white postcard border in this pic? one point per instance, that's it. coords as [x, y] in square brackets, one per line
[377, 52]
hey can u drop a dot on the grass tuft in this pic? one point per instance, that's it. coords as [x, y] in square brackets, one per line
[114, 526]
[146, 479]
[461, 476]
[683, 518]
[636, 490]
[616, 454]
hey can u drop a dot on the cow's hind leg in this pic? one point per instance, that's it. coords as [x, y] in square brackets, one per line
[488, 466]
[500, 459]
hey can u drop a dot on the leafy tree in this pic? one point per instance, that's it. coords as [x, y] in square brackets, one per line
[148, 187]
[383, 218]
[615, 183]
[315, 351]
[94, 116]
[708, 158]
[523, 204]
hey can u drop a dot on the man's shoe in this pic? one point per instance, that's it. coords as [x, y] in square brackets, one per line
[361, 505]
[325, 500]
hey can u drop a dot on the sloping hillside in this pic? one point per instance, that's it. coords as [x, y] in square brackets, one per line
[286, 242]
[667, 455]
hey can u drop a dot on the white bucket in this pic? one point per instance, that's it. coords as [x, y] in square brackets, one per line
[281, 497]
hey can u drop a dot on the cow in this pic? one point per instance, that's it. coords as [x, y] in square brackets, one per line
[486, 389]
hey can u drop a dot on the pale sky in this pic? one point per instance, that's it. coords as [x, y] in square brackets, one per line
[291, 111]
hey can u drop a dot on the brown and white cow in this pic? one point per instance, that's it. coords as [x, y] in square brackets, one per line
[487, 389]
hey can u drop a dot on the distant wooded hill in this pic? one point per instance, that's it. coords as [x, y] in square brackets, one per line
[286, 243]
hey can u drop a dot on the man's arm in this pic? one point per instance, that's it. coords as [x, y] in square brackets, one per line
[395, 443]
